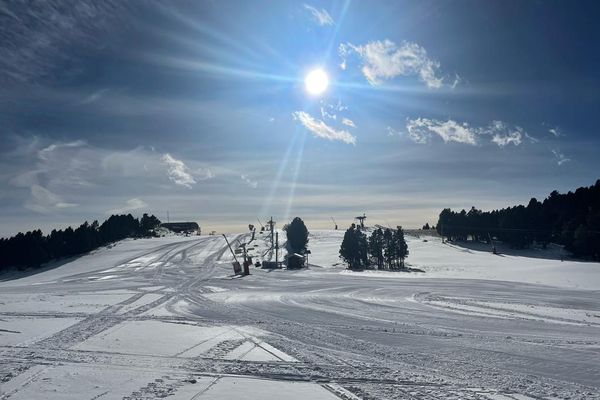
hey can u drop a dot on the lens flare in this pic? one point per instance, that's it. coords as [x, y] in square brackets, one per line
[316, 82]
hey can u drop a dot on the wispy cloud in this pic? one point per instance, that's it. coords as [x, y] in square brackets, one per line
[321, 16]
[560, 157]
[383, 60]
[556, 132]
[94, 96]
[321, 129]
[35, 35]
[420, 130]
[326, 114]
[531, 138]
[178, 172]
[503, 135]
[45, 153]
[392, 132]
[503, 140]
[44, 201]
[54, 177]
[330, 110]
[52, 168]
[130, 205]
[348, 122]
[249, 182]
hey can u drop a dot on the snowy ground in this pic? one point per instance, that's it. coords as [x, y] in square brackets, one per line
[165, 318]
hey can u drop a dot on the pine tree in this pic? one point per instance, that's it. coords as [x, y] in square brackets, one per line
[376, 247]
[349, 247]
[297, 235]
[355, 248]
[401, 246]
[389, 248]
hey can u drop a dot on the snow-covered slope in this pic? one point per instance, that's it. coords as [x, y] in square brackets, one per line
[447, 260]
[165, 317]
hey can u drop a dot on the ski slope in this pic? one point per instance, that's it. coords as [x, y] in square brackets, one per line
[165, 317]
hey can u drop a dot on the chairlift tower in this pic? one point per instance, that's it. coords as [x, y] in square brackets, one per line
[361, 220]
[271, 224]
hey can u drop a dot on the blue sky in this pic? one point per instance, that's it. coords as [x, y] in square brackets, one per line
[200, 108]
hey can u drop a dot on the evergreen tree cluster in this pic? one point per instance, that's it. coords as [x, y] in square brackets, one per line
[32, 249]
[385, 249]
[297, 235]
[571, 219]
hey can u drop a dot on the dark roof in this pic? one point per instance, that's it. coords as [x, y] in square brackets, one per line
[181, 226]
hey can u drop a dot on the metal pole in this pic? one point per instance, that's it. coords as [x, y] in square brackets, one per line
[271, 227]
[277, 249]
[230, 249]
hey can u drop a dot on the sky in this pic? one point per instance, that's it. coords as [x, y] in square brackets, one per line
[200, 108]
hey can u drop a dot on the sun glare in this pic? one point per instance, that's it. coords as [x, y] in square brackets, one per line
[316, 81]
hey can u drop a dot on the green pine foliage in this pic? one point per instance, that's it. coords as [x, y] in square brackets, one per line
[297, 235]
[384, 249]
[571, 219]
[32, 249]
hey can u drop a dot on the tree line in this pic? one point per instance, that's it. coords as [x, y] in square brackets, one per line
[571, 219]
[385, 249]
[32, 249]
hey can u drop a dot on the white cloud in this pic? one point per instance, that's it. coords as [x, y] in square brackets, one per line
[249, 182]
[45, 153]
[503, 135]
[178, 172]
[321, 129]
[392, 132]
[556, 132]
[94, 96]
[531, 138]
[44, 201]
[503, 140]
[130, 205]
[456, 81]
[384, 60]
[36, 35]
[421, 129]
[348, 122]
[321, 16]
[49, 169]
[326, 114]
[203, 174]
[560, 157]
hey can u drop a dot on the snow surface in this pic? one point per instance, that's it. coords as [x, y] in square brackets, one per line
[166, 317]
[448, 260]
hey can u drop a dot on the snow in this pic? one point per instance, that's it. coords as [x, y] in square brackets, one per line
[165, 317]
[237, 388]
[446, 260]
[21, 331]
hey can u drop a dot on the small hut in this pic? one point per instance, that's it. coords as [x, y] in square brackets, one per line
[295, 261]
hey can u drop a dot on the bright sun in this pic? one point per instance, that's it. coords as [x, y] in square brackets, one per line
[316, 81]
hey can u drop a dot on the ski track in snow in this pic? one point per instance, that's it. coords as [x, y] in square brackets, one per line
[165, 318]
